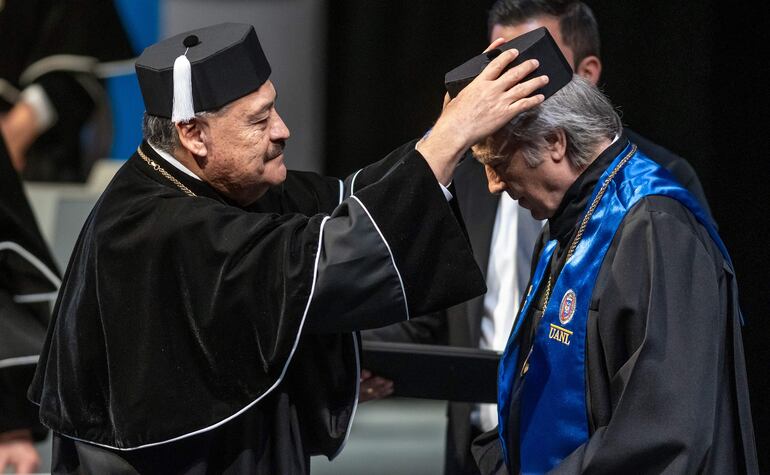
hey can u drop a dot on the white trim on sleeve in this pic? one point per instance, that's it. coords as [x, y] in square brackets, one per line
[353, 182]
[401, 281]
[19, 361]
[57, 62]
[33, 298]
[32, 259]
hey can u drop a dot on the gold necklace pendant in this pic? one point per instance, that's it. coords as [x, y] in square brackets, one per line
[163, 172]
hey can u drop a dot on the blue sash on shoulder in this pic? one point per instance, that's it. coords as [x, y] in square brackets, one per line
[554, 417]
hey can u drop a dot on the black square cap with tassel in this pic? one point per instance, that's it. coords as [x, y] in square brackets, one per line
[201, 70]
[536, 44]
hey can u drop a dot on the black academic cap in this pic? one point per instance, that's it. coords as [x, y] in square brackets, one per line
[226, 62]
[536, 44]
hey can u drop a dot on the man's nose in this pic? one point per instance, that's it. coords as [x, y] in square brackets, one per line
[279, 131]
[494, 182]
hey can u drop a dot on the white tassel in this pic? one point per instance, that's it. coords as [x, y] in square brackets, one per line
[183, 109]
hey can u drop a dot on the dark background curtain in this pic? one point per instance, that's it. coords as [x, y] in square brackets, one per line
[689, 75]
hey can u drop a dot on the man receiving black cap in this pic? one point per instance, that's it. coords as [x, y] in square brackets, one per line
[626, 355]
[502, 233]
[206, 320]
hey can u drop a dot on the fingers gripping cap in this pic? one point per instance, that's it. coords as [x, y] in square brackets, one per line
[536, 44]
[226, 62]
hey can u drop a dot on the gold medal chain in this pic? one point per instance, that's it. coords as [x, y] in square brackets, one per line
[163, 172]
[587, 218]
[576, 241]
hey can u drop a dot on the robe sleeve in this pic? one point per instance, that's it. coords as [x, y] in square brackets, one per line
[661, 328]
[393, 249]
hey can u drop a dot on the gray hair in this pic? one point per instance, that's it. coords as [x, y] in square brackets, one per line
[579, 109]
[160, 132]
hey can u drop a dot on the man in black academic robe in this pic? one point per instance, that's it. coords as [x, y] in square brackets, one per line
[665, 381]
[206, 320]
[29, 282]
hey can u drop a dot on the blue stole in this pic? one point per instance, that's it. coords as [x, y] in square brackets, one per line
[553, 411]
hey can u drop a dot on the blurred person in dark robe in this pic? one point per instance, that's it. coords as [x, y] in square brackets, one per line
[53, 105]
[29, 282]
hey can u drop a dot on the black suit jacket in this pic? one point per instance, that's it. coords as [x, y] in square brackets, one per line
[461, 325]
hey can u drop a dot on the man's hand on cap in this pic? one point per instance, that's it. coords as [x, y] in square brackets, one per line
[490, 101]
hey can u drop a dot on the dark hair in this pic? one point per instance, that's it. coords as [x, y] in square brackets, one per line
[577, 23]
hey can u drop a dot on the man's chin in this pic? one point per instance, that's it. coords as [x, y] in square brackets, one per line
[280, 171]
[536, 212]
[275, 171]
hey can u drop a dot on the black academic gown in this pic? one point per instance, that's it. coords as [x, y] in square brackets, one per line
[666, 383]
[196, 336]
[29, 281]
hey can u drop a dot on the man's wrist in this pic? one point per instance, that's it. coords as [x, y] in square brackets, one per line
[442, 151]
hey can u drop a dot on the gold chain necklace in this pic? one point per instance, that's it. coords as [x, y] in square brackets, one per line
[163, 172]
[577, 238]
[584, 223]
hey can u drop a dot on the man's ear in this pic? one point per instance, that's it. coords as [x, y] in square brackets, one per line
[191, 137]
[590, 68]
[556, 144]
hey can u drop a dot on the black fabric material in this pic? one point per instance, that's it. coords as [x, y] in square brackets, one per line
[226, 64]
[431, 279]
[22, 325]
[459, 325]
[488, 454]
[357, 283]
[201, 318]
[536, 44]
[18, 224]
[239, 447]
[50, 156]
[42, 28]
[39, 29]
[17, 412]
[666, 388]
[678, 166]
[459, 459]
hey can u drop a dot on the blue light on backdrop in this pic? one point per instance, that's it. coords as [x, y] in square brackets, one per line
[141, 19]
